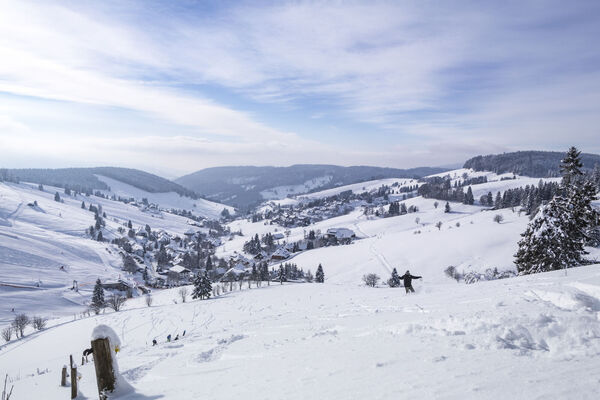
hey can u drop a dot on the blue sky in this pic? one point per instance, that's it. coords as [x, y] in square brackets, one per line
[172, 87]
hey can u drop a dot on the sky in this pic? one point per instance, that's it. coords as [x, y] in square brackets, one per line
[172, 87]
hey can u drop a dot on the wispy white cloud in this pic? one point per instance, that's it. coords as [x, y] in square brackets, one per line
[470, 77]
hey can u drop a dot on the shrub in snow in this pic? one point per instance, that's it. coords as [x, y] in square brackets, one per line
[320, 275]
[39, 323]
[20, 323]
[453, 273]
[498, 218]
[7, 333]
[371, 279]
[439, 225]
[149, 300]
[490, 274]
[183, 292]
[394, 280]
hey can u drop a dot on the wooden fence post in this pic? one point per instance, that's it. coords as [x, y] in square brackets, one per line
[63, 378]
[73, 381]
[105, 375]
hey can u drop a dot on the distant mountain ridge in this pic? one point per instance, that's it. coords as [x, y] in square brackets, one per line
[538, 164]
[85, 179]
[242, 186]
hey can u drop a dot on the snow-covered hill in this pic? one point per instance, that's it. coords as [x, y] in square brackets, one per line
[43, 248]
[200, 207]
[335, 340]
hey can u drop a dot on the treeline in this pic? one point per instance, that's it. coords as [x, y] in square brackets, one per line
[84, 180]
[530, 163]
[530, 197]
[441, 188]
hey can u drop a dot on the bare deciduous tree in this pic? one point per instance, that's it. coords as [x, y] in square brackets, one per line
[19, 324]
[39, 323]
[183, 292]
[116, 301]
[7, 333]
[439, 225]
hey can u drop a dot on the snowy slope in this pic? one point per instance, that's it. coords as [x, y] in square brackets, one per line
[200, 207]
[281, 192]
[36, 241]
[520, 338]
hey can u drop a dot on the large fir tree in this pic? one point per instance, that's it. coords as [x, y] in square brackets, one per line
[98, 297]
[556, 237]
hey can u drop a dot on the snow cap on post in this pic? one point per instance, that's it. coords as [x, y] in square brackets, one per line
[106, 332]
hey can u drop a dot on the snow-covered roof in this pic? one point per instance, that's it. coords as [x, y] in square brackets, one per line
[179, 269]
[341, 233]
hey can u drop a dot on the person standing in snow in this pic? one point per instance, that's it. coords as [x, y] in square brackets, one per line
[169, 338]
[407, 278]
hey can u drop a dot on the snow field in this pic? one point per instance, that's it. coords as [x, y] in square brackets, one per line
[488, 340]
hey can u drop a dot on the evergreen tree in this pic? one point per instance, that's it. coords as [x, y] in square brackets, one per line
[447, 208]
[320, 275]
[57, 197]
[145, 274]
[129, 224]
[100, 238]
[469, 199]
[202, 287]
[209, 264]
[83, 205]
[556, 237]
[394, 281]
[490, 199]
[98, 297]
[281, 275]
[571, 167]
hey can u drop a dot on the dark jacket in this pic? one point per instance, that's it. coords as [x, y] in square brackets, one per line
[407, 278]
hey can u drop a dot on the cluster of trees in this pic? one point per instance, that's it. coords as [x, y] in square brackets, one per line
[530, 163]
[19, 323]
[556, 237]
[98, 303]
[441, 189]
[530, 198]
[397, 208]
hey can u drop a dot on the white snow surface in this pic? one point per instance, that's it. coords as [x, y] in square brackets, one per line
[36, 241]
[168, 200]
[531, 337]
[521, 338]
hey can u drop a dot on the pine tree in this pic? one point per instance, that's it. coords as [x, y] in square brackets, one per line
[394, 281]
[202, 287]
[320, 275]
[57, 197]
[98, 297]
[281, 275]
[83, 205]
[447, 208]
[100, 238]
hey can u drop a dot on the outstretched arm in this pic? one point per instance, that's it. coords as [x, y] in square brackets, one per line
[416, 277]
